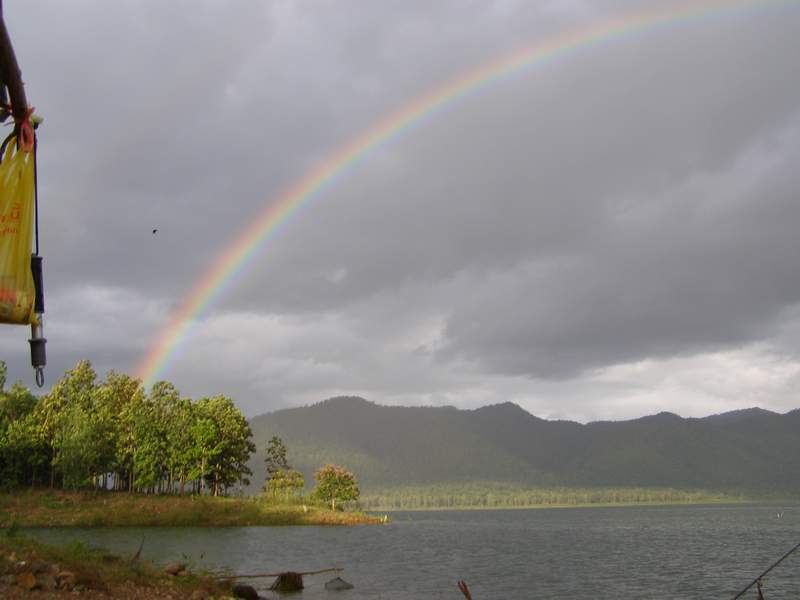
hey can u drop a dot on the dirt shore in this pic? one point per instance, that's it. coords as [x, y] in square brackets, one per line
[29, 570]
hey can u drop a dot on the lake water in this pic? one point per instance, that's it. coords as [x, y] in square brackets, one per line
[643, 552]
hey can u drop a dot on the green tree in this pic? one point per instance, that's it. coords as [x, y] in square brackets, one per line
[23, 453]
[80, 448]
[179, 443]
[285, 483]
[75, 388]
[15, 404]
[335, 483]
[121, 396]
[225, 454]
[149, 424]
[20, 451]
[204, 446]
[276, 456]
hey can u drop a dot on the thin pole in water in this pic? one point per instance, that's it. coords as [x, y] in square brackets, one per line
[757, 579]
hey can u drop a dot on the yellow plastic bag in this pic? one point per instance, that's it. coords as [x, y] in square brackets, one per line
[17, 293]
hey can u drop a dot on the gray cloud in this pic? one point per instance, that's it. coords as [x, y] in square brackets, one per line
[706, 266]
[628, 202]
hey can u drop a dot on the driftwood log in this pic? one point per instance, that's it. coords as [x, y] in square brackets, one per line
[264, 575]
[288, 581]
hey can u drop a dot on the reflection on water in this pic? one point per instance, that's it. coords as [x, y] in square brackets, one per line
[647, 552]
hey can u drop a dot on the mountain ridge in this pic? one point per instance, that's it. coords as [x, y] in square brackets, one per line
[354, 401]
[396, 445]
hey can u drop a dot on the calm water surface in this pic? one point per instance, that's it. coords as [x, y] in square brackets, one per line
[645, 552]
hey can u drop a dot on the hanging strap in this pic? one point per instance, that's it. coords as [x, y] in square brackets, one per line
[23, 128]
[26, 135]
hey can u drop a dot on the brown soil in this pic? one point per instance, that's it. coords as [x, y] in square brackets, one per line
[127, 590]
[95, 575]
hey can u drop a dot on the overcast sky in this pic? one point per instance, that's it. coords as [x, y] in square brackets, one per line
[608, 235]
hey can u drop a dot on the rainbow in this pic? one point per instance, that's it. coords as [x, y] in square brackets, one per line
[238, 255]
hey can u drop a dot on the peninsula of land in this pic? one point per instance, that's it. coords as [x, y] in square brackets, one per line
[44, 508]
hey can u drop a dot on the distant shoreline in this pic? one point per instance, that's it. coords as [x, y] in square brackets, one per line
[497, 496]
[567, 506]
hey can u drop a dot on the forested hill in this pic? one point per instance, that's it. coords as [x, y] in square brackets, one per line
[751, 449]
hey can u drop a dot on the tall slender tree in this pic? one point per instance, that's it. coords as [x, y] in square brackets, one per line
[276, 456]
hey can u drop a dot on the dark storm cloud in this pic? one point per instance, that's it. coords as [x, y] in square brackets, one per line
[623, 206]
[630, 201]
[192, 116]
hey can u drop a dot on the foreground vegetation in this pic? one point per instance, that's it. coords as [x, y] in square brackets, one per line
[41, 508]
[92, 573]
[499, 495]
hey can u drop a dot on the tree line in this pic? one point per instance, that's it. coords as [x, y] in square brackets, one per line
[112, 434]
[485, 495]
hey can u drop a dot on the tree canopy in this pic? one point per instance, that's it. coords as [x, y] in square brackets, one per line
[113, 434]
[335, 483]
[285, 483]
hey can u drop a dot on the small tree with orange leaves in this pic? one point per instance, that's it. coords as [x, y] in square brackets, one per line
[335, 483]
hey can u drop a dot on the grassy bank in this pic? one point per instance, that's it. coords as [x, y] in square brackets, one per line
[499, 496]
[91, 573]
[89, 509]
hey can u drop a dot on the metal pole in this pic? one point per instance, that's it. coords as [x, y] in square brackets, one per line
[757, 579]
[10, 73]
